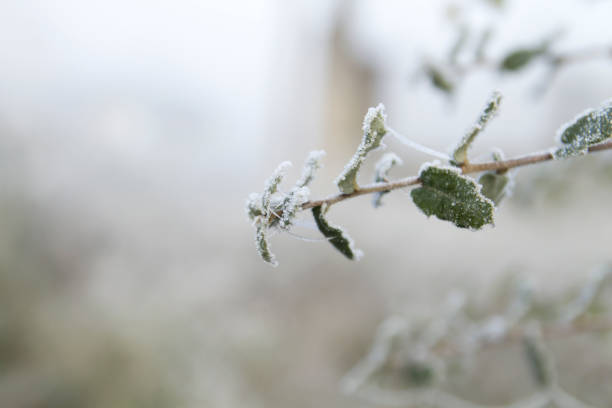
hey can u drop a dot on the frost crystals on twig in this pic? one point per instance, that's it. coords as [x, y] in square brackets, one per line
[460, 153]
[373, 132]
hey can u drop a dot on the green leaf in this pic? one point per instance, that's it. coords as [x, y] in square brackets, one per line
[460, 155]
[589, 128]
[519, 59]
[419, 374]
[263, 248]
[440, 79]
[382, 169]
[452, 197]
[373, 132]
[337, 237]
[539, 362]
[494, 186]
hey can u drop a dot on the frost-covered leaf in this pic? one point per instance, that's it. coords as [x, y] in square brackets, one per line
[253, 206]
[337, 237]
[263, 248]
[313, 163]
[520, 58]
[494, 186]
[382, 169]
[589, 128]
[461, 151]
[373, 132]
[452, 197]
[271, 185]
[440, 79]
[291, 204]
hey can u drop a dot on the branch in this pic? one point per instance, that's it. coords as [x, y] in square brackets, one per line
[465, 169]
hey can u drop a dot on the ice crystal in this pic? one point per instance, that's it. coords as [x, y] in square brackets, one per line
[373, 132]
[382, 169]
[591, 127]
[490, 109]
[337, 237]
[453, 197]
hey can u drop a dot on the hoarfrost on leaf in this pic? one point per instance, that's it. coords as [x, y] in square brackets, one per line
[490, 109]
[313, 163]
[337, 237]
[261, 242]
[453, 197]
[271, 185]
[382, 169]
[291, 204]
[591, 127]
[373, 132]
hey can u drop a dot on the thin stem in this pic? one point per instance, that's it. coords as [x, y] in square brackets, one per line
[466, 169]
[558, 59]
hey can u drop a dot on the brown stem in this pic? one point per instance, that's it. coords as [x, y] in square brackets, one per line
[465, 169]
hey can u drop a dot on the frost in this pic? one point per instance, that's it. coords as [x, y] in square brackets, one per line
[291, 204]
[590, 127]
[337, 237]
[460, 152]
[253, 206]
[313, 163]
[382, 168]
[273, 209]
[373, 132]
[452, 197]
[271, 185]
[263, 248]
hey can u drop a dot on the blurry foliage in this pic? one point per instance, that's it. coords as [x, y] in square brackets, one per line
[461, 348]
[54, 353]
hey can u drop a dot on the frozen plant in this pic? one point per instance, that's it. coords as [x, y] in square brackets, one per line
[445, 191]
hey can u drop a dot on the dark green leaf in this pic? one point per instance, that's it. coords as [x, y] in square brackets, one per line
[440, 79]
[452, 197]
[337, 237]
[592, 127]
[519, 59]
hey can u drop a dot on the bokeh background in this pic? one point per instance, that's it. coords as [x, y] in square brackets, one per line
[132, 131]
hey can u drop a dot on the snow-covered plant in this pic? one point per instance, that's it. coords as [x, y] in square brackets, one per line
[443, 190]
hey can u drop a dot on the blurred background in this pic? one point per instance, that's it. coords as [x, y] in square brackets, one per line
[131, 133]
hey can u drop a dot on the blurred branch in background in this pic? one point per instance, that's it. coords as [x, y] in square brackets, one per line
[421, 361]
[447, 75]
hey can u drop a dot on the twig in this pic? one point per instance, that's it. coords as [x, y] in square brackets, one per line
[466, 169]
